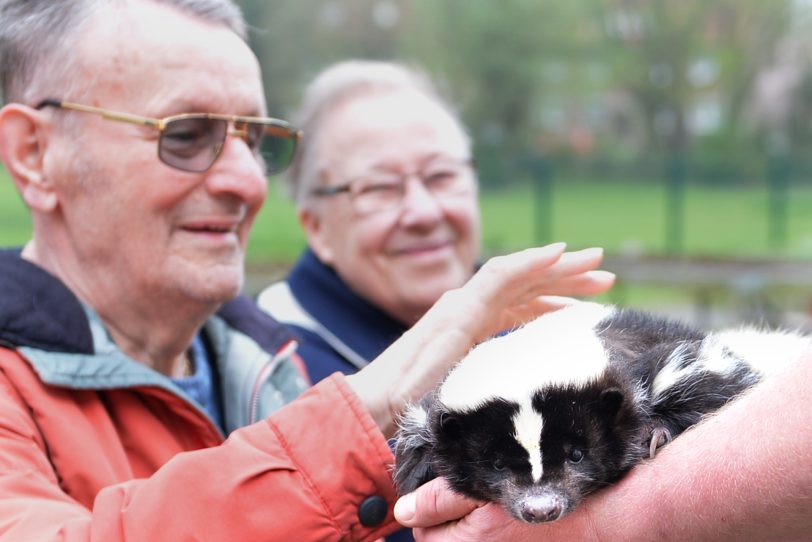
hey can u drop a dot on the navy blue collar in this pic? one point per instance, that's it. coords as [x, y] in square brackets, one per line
[359, 324]
[38, 310]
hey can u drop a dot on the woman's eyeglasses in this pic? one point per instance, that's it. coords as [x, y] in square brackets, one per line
[193, 141]
[384, 190]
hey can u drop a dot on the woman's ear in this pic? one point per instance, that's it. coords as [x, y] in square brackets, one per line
[23, 143]
[314, 230]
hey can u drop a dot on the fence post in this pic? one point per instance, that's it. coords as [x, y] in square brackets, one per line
[675, 173]
[541, 170]
[778, 178]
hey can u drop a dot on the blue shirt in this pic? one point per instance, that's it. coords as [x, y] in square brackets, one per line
[202, 386]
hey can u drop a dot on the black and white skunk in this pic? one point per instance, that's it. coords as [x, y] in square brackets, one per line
[539, 418]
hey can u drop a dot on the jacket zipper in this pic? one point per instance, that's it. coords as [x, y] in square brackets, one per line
[265, 373]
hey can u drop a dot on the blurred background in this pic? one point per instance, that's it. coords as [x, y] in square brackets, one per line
[674, 133]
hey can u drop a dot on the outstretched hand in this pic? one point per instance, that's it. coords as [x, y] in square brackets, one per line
[436, 514]
[507, 291]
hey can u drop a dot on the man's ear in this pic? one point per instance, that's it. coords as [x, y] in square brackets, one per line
[315, 231]
[23, 142]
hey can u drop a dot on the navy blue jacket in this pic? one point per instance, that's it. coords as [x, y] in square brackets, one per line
[338, 330]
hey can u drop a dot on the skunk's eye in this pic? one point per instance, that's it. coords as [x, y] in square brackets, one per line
[498, 464]
[576, 455]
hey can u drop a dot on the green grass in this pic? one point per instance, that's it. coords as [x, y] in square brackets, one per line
[625, 216]
[15, 225]
[621, 216]
[276, 236]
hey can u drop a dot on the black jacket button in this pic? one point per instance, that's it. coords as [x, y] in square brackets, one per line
[372, 511]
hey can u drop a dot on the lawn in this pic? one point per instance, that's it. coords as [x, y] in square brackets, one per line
[622, 216]
[625, 216]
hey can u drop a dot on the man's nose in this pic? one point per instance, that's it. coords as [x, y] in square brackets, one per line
[238, 171]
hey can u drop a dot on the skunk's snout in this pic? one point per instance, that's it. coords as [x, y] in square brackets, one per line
[541, 508]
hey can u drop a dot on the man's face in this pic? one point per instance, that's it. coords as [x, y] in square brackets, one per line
[401, 259]
[141, 230]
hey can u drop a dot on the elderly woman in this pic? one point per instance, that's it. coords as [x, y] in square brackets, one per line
[387, 196]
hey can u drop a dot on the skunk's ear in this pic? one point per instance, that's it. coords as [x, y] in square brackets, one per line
[611, 400]
[414, 449]
[448, 425]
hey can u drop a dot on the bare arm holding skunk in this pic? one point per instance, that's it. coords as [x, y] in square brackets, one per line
[742, 474]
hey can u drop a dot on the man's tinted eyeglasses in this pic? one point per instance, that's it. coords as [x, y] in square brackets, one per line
[193, 141]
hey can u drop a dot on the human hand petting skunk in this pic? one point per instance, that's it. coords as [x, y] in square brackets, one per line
[506, 291]
[537, 419]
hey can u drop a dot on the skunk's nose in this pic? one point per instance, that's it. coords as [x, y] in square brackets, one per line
[540, 508]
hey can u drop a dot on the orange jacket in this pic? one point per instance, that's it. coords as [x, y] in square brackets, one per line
[95, 446]
[107, 465]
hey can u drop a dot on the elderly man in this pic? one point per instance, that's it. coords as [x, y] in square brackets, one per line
[134, 132]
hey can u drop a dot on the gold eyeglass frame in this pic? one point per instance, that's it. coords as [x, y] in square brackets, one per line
[284, 129]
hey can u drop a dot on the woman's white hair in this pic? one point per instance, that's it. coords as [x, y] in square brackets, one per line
[334, 85]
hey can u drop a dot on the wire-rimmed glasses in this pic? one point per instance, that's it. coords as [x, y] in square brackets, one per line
[384, 190]
[193, 141]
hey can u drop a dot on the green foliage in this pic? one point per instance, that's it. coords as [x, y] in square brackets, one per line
[611, 80]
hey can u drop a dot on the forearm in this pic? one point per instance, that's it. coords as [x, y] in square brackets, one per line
[742, 474]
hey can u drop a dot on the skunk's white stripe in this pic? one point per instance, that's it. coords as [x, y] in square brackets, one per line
[671, 373]
[559, 348]
[767, 352]
[528, 423]
[414, 427]
[415, 416]
[716, 357]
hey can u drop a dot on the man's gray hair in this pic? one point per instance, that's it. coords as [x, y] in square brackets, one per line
[331, 87]
[36, 39]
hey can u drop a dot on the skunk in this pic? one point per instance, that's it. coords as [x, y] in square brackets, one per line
[538, 418]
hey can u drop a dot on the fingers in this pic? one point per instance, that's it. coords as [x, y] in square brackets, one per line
[432, 504]
[518, 277]
[521, 314]
[587, 283]
[511, 273]
[486, 523]
[571, 267]
[551, 287]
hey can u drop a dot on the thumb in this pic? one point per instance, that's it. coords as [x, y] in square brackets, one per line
[432, 504]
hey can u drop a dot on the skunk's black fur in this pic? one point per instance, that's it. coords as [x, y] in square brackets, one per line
[586, 424]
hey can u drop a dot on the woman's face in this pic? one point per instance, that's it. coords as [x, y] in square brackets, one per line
[401, 258]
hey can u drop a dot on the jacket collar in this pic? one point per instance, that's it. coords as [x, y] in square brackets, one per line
[68, 345]
[325, 296]
[38, 311]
